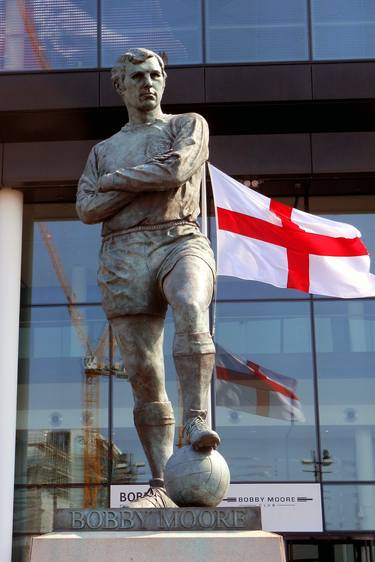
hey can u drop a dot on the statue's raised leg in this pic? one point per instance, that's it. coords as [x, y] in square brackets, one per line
[188, 288]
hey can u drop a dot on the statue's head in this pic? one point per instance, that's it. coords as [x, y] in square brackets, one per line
[139, 78]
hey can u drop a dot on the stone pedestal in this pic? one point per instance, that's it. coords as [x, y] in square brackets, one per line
[146, 546]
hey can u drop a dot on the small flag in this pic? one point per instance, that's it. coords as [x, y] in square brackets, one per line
[248, 387]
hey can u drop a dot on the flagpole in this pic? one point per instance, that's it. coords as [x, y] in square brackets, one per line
[204, 201]
[204, 229]
[213, 323]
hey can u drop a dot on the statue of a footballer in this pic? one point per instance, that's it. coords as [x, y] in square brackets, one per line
[143, 184]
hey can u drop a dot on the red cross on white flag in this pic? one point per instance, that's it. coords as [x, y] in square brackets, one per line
[263, 240]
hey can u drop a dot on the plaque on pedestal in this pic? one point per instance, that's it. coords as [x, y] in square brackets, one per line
[168, 519]
[161, 535]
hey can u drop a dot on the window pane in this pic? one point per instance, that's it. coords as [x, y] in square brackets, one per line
[305, 553]
[62, 424]
[48, 34]
[239, 289]
[34, 507]
[21, 548]
[345, 340]
[343, 29]
[256, 30]
[266, 420]
[60, 262]
[349, 507]
[169, 26]
[129, 460]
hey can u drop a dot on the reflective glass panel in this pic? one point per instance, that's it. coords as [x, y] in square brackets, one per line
[345, 342]
[61, 260]
[256, 30]
[349, 508]
[48, 34]
[21, 548]
[344, 553]
[62, 424]
[343, 29]
[34, 506]
[304, 553]
[129, 460]
[264, 389]
[172, 27]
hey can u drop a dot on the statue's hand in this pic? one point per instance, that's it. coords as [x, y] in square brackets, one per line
[105, 183]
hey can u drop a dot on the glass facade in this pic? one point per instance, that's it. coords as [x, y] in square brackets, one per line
[256, 30]
[56, 401]
[338, 551]
[68, 34]
[62, 264]
[343, 29]
[172, 27]
[43, 35]
[345, 358]
[75, 432]
[349, 506]
[261, 439]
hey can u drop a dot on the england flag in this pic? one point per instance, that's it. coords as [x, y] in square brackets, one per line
[264, 240]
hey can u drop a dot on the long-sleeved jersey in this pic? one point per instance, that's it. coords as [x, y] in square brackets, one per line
[154, 171]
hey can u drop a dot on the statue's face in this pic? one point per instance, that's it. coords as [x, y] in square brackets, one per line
[143, 85]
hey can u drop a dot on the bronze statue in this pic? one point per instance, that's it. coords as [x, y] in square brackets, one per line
[143, 184]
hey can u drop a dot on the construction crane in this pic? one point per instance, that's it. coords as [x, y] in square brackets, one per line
[28, 22]
[94, 368]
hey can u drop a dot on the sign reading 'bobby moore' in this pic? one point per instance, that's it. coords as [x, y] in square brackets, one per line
[284, 507]
[172, 519]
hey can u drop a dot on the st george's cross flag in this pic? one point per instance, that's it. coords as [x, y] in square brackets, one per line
[246, 386]
[264, 240]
